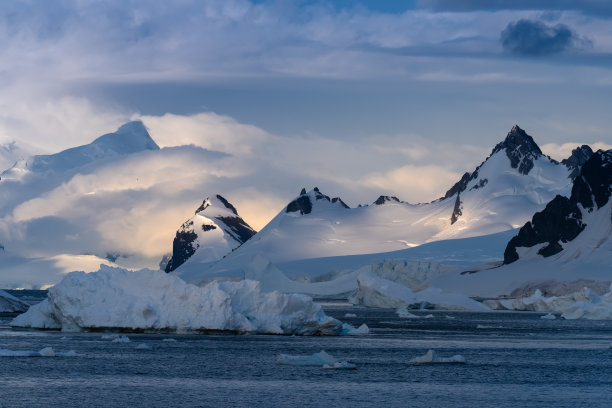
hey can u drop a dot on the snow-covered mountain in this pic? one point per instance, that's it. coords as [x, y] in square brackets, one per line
[11, 153]
[115, 200]
[215, 230]
[501, 194]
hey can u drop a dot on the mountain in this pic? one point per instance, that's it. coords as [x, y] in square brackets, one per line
[116, 200]
[574, 226]
[215, 230]
[11, 153]
[501, 194]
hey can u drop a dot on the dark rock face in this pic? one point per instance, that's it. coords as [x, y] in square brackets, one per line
[238, 229]
[385, 199]
[185, 243]
[579, 156]
[303, 203]
[461, 185]
[520, 149]
[456, 210]
[182, 246]
[561, 220]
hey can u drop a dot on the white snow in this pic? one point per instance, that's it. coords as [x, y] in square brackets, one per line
[320, 359]
[431, 357]
[154, 300]
[377, 292]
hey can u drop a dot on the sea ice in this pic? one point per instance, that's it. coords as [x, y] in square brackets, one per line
[320, 359]
[352, 331]
[548, 316]
[143, 346]
[121, 339]
[431, 357]
[45, 352]
[350, 315]
[405, 314]
[11, 304]
[169, 340]
[154, 300]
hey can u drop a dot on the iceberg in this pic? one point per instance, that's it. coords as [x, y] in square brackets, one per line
[374, 291]
[10, 304]
[148, 300]
[431, 357]
[121, 339]
[352, 331]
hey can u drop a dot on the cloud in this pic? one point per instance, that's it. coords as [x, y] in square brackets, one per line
[598, 7]
[564, 150]
[534, 38]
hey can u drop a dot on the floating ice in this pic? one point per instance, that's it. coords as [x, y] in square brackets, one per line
[405, 314]
[374, 291]
[121, 339]
[169, 340]
[548, 316]
[143, 346]
[154, 300]
[11, 304]
[45, 352]
[341, 365]
[352, 331]
[320, 359]
[109, 336]
[350, 315]
[431, 357]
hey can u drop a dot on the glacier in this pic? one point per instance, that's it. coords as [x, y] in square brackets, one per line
[145, 300]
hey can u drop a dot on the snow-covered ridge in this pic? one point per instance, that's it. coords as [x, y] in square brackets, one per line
[564, 219]
[215, 230]
[153, 300]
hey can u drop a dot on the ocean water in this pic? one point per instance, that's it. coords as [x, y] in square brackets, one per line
[512, 360]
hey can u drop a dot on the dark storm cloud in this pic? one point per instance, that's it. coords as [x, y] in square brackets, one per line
[598, 7]
[529, 37]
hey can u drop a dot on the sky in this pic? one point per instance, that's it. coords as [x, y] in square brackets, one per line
[360, 98]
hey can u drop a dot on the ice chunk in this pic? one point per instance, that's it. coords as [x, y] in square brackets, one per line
[317, 359]
[352, 331]
[341, 365]
[431, 357]
[47, 352]
[169, 340]
[378, 292]
[143, 346]
[548, 316]
[109, 336]
[405, 314]
[350, 315]
[121, 339]
[154, 300]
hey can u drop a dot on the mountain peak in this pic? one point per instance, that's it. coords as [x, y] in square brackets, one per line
[520, 148]
[305, 201]
[129, 138]
[579, 156]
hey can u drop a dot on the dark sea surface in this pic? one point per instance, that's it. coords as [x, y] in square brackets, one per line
[512, 360]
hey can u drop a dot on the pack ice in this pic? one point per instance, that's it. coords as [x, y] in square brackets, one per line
[153, 300]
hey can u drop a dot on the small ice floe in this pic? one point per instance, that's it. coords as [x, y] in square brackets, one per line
[45, 352]
[350, 315]
[169, 340]
[548, 316]
[450, 317]
[109, 336]
[405, 314]
[143, 346]
[484, 326]
[347, 329]
[320, 359]
[340, 365]
[431, 357]
[121, 339]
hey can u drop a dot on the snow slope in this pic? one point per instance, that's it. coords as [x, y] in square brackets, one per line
[215, 230]
[153, 300]
[567, 241]
[515, 181]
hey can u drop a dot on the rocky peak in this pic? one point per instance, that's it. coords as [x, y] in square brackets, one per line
[561, 220]
[304, 202]
[577, 159]
[205, 204]
[520, 148]
[385, 199]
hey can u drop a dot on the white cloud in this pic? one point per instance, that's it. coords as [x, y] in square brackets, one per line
[563, 151]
